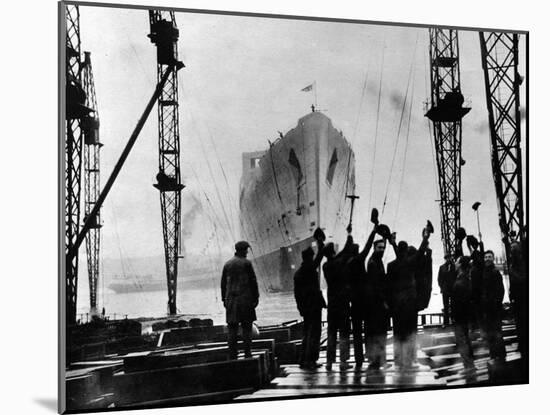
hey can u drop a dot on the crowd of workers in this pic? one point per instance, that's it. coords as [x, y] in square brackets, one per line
[362, 296]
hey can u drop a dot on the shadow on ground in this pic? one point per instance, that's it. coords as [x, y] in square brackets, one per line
[48, 403]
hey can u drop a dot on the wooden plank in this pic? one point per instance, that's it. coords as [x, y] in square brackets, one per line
[183, 381]
[257, 344]
[279, 335]
[190, 335]
[85, 386]
[174, 358]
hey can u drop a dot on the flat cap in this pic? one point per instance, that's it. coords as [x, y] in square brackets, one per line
[241, 246]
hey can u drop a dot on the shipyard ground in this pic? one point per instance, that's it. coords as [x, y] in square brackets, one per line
[439, 366]
[189, 366]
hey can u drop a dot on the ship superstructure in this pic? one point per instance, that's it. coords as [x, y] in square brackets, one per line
[287, 191]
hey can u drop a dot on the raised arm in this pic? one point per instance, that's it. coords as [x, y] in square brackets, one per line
[319, 256]
[424, 243]
[421, 249]
[368, 245]
[459, 251]
[347, 246]
[470, 248]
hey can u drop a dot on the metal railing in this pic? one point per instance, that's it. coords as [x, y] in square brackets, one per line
[83, 318]
[426, 319]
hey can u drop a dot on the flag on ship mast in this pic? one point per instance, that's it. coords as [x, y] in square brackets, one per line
[311, 87]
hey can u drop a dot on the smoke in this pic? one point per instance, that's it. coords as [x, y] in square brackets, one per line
[396, 100]
[192, 210]
[372, 87]
[481, 127]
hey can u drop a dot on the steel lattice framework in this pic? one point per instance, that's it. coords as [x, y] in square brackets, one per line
[90, 127]
[164, 34]
[499, 56]
[75, 110]
[446, 113]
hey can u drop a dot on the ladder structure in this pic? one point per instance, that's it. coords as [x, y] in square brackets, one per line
[92, 146]
[446, 112]
[164, 34]
[499, 56]
[76, 111]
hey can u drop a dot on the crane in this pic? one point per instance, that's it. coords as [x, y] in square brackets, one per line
[499, 57]
[500, 60]
[76, 111]
[164, 34]
[92, 146]
[446, 112]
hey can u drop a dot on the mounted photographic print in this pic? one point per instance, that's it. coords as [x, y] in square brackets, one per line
[260, 207]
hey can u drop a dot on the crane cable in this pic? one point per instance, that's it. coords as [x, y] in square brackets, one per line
[223, 173]
[355, 127]
[404, 155]
[376, 125]
[345, 189]
[133, 277]
[400, 125]
[212, 177]
[216, 222]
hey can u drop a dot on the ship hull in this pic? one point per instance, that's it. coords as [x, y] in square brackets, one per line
[298, 184]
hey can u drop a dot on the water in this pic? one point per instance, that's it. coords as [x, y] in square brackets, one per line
[273, 308]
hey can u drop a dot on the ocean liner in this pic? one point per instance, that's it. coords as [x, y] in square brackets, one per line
[287, 191]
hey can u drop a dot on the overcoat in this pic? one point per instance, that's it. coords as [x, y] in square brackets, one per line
[492, 292]
[239, 290]
[446, 278]
[377, 312]
[461, 298]
[338, 289]
[307, 290]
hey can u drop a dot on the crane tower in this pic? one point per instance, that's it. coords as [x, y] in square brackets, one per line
[446, 112]
[76, 111]
[164, 34]
[92, 146]
[499, 57]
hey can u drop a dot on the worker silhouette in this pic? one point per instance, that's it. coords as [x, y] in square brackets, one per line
[356, 273]
[310, 302]
[519, 293]
[446, 278]
[377, 319]
[477, 253]
[338, 296]
[492, 294]
[402, 297]
[462, 311]
[424, 279]
[240, 298]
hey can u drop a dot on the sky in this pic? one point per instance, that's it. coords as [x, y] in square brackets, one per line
[242, 84]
